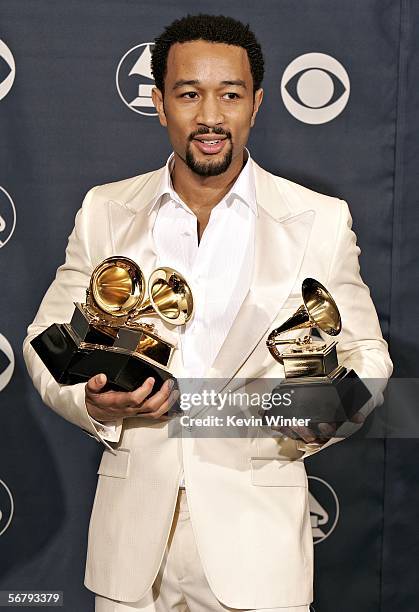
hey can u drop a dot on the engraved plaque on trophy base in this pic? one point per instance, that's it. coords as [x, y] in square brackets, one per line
[300, 361]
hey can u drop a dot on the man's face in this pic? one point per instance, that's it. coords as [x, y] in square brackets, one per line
[208, 105]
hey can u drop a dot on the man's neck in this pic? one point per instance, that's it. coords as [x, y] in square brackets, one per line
[202, 194]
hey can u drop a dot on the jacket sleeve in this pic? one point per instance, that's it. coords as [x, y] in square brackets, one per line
[360, 344]
[69, 286]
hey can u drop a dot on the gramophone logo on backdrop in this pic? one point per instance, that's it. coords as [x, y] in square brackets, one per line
[7, 217]
[134, 80]
[315, 88]
[7, 70]
[324, 508]
[7, 362]
[6, 507]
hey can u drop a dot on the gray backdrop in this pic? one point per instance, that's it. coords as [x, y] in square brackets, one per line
[69, 119]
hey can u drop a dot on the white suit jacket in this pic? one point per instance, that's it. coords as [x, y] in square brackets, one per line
[248, 497]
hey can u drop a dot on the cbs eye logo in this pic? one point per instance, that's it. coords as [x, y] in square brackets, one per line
[7, 70]
[315, 88]
[7, 217]
[134, 80]
[6, 507]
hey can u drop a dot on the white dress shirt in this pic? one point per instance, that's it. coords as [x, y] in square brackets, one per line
[218, 269]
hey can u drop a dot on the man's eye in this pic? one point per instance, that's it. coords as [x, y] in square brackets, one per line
[189, 94]
[231, 95]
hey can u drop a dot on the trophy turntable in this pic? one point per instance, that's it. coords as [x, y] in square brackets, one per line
[106, 333]
[312, 372]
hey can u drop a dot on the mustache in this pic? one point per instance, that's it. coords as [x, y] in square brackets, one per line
[216, 130]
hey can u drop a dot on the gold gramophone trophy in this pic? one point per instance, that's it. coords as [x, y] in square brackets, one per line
[312, 372]
[106, 333]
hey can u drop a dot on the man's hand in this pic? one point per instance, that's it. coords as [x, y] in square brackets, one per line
[113, 405]
[319, 433]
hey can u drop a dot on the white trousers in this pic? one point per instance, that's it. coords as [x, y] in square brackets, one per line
[181, 585]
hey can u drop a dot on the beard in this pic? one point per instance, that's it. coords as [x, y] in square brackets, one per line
[206, 169]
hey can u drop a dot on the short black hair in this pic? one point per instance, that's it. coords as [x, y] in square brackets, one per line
[212, 28]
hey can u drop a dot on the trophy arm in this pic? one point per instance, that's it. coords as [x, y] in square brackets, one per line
[272, 343]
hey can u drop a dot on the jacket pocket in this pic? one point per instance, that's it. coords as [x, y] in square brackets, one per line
[116, 465]
[278, 473]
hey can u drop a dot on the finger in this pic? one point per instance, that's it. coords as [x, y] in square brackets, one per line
[173, 398]
[161, 410]
[305, 433]
[327, 429]
[96, 383]
[156, 400]
[358, 417]
[139, 395]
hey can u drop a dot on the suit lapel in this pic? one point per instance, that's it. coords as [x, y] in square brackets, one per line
[131, 224]
[280, 244]
[133, 237]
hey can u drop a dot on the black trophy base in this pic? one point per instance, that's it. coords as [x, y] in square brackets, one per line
[70, 363]
[322, 399]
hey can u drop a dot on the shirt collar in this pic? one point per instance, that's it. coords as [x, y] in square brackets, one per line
[243, 187]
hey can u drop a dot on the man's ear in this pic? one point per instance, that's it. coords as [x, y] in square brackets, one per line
[257, 101]
[157, 97]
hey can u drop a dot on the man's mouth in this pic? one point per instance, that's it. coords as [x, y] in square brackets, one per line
[208, 145]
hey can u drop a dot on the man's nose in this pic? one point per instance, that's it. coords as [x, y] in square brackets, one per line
[210, 112]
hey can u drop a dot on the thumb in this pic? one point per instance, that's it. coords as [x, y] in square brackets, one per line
[96, 383]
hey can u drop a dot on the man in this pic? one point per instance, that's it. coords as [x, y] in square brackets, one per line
[245, 240]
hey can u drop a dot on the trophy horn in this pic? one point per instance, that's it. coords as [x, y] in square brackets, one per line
[319, 309]
[117, 285]
[169, 295]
